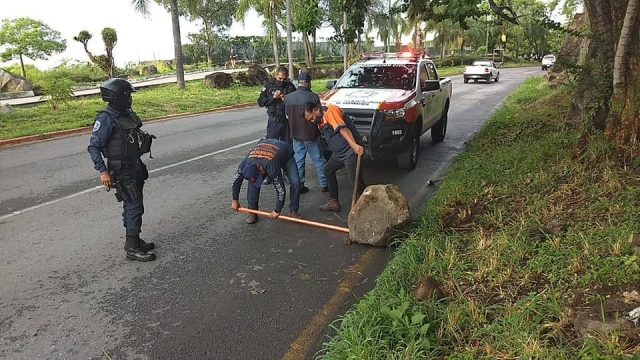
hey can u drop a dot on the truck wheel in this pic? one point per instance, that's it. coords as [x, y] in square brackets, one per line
[466, 81]
[408, 159]
[489, 79]
[497, 78]
[439, 130]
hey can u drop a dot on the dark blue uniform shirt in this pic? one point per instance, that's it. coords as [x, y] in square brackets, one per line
[103, 128]
[271, 154]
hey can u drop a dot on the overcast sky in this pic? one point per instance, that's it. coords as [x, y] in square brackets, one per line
[139, 38]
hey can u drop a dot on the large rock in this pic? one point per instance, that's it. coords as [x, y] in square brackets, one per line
[218, 80]
[256, 75]
[10, 82]
[380, 211]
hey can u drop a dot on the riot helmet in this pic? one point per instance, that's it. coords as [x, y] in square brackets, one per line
[117, 92]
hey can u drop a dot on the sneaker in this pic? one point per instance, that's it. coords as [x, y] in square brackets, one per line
[294, 214]
[304, 189]
[325, 189]
[251, 219]
[331, 205]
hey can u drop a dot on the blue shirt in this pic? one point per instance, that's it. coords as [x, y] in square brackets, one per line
[271, 154]
[103, 128]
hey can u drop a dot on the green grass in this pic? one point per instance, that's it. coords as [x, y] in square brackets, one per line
[150, 102]
[521, 238]
[147, 102]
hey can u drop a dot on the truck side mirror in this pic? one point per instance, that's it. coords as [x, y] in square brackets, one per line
[430, 85]
[331, 83]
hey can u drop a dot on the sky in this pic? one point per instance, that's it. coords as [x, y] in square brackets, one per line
[139, 38]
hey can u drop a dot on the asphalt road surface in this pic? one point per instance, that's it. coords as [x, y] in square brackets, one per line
[220, 289]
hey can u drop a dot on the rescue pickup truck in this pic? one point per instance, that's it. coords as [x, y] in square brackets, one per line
[393, 98]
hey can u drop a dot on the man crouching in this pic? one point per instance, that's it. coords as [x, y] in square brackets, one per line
[268, 158]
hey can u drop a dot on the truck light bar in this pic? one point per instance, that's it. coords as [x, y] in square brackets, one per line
[396, 55]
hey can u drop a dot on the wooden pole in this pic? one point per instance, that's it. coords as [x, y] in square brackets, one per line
[355, 182]
[301, 221]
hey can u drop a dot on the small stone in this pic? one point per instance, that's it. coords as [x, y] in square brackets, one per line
[427, 287]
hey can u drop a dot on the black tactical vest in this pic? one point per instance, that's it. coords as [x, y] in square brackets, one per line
[276, 109]
[124, 143]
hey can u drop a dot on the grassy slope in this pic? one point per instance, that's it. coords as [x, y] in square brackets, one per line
[521, 238]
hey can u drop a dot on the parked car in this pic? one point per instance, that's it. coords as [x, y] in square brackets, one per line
[393, 98]
[548, 61]
[481, 69]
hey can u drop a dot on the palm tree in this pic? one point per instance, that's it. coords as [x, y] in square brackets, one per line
[289, 38]
[269, 9]
[142, 6]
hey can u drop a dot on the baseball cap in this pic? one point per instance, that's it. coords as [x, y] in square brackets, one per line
[252, 175]
[303, 76]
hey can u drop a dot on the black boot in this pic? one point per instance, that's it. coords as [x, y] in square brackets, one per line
[146, 246]
[133, 250]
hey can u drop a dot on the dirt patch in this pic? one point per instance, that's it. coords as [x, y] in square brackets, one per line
[462, 217]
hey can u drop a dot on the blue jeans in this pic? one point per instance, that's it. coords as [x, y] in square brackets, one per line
[300, 149]
[291, 170]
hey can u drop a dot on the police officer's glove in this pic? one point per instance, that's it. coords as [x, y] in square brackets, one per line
[105, 179]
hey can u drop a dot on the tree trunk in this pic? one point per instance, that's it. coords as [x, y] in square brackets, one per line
[614, 52]
[177, 43]
[313, 52]
[208, 31]
[345, 51]
[308, 51]
[623, 123]
[274, 32]
[22, 70]
[289, 39]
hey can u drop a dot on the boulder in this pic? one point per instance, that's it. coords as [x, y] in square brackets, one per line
[257, 75]
[134, 72]
[380, 211]
[149, 70]
[218, 80]
[10, 82]
[6, 109]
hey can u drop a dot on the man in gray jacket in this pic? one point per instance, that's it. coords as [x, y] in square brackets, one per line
[305, 135]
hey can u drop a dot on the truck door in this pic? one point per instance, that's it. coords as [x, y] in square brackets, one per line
[437, 95]
[434, 97]
[425, 102]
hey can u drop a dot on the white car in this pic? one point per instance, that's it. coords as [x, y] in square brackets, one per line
[481, 69]
[548, 61]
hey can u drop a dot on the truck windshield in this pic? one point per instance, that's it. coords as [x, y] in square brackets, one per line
[481, 63]
[379, 76]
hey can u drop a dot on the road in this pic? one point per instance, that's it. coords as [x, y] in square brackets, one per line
[138, 84]
[220, 289]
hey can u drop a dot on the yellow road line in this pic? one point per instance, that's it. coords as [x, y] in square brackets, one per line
[300, 348]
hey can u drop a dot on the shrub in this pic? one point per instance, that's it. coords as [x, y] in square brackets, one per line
[56, 84]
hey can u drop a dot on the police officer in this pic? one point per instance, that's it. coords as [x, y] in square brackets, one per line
[272, 97]
[117, 135]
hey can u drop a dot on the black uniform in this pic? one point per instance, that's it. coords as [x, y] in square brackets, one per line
[117, 135]
[277, 125]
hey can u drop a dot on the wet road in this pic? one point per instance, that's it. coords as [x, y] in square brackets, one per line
[220, 289]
